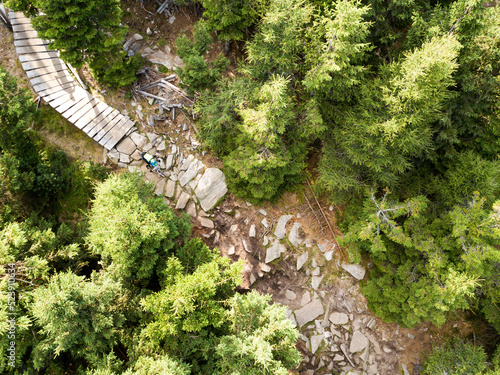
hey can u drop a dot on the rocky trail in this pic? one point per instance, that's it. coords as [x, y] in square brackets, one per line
[285, 253]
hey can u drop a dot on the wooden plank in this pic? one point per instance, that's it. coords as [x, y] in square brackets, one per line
[30, 42]
[90, 123]
[59, 77]
[26, 35]
[70, 97]
[55, 95]
[97, 128]
[89, 107]
[43, 71]
[116, 130]
[106, 137]
[18, 18]
[75, 100]
[67, 114]
[19, 27]
[38, 56]
[106, 127]
[31, 49]
[115, 138]
[31, 65]
[100, 110]
[80, 119]
[67, 88]
[53, 83]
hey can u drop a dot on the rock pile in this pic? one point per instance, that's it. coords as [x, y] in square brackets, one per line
[189, 184]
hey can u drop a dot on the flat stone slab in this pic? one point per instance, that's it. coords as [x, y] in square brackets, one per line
[251, 233]
[139, 140]
[315, 281]
[301, 260]
[356, 271]
[290, 295]
[274, 251]
[339, 318]
[194, 168]
[182, 202]
[358, 343]
[206, 222]
[160, 186]
[170, 161]
[170, 189]
[280, 231]
[211, 188]
[293, 236]
[309, 312]
[316, 341]
[126, 146]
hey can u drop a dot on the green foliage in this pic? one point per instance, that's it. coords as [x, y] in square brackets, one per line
[80, 29]
[260, 340]
[277, 46]
[337, 50]
[415, 277]
[82, 317]
[114, 68]
[131, 229]
[377, 140]
[230, 18]
[197, 74]
[158, 366]
[191, 302]
[456, 357]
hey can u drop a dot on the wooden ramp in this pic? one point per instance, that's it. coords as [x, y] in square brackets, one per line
[51, 79]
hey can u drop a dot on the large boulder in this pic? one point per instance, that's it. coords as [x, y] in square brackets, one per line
[211, 188]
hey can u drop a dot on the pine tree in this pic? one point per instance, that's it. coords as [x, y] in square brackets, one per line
[131, 229]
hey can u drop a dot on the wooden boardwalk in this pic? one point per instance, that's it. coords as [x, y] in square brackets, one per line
[51, 79]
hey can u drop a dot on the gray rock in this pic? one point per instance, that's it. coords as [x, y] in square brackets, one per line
[170, 190]
[339, 318]
[309, 312]
[182, 202]
[161, 146]
[231, 250]
[274, 251]
[338, 357]
[306, 298]
[316, 271]
[136, 155]
[206, 222]
[170, 162]
[148, 31]
[194, 168]
[280, 230]
[265, 268]
[358, 343]
[133, 169]
[211, 188]
[293, 236]
[301, 260]
[290, 295]
[315, 281]
[152, 137]
[356, 271]
[160, 186]
[264, 223]
[328, 255]
[160, 57]
[186, 163]
[405, 370]
[171, 19]
[124, 158]
[265, 241]
[316, 341]
[191, 208]
[252, 231]
[126, 146]
[139, 140]
[114, 156]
